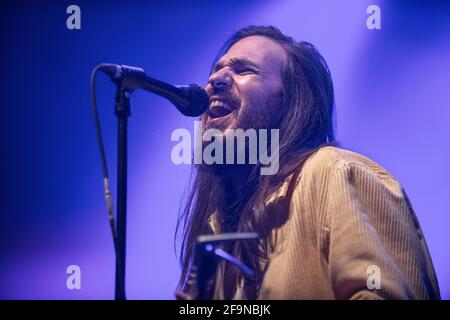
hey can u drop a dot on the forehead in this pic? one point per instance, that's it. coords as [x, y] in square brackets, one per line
[261, 50]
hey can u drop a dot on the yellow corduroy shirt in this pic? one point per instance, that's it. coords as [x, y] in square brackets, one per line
[349, 221]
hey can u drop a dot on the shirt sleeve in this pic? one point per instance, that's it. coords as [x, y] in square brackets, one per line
[376, 249]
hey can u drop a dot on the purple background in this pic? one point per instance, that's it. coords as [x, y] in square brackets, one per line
[392, 97]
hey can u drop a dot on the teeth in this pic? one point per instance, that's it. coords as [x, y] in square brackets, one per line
[218, 103]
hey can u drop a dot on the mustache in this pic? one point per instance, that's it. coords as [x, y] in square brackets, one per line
[227, 96]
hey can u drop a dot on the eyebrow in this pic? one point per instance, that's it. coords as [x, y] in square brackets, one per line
[237, 61]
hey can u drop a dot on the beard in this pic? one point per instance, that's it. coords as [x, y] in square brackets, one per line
[254, 115]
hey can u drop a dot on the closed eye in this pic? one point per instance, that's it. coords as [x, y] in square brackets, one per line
[240, 65]
[244, 71]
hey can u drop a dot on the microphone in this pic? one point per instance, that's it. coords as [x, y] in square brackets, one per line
[190, 100]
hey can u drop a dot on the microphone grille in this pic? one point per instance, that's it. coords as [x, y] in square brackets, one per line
[198, 100]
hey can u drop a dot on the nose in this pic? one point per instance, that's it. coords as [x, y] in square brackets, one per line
[220, 80]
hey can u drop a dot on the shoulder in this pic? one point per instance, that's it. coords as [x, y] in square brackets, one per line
[330, 168]
[331, 159]
[329, 164]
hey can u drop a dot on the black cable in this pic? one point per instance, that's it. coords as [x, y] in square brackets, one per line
[107, 192]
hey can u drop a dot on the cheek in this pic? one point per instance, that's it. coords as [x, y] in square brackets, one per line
[251, 91]
[250, 83]
[260, 99]
[255, 113]
[260, 111]
[257, 89]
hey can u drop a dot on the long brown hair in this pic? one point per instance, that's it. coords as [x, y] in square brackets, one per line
[305, 123]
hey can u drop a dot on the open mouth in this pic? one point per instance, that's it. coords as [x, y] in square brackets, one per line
[220, 109]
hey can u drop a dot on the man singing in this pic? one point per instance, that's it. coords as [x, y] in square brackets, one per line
[333, 224]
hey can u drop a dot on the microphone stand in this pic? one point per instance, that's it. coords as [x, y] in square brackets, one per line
[122, 111]
[190, 100]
